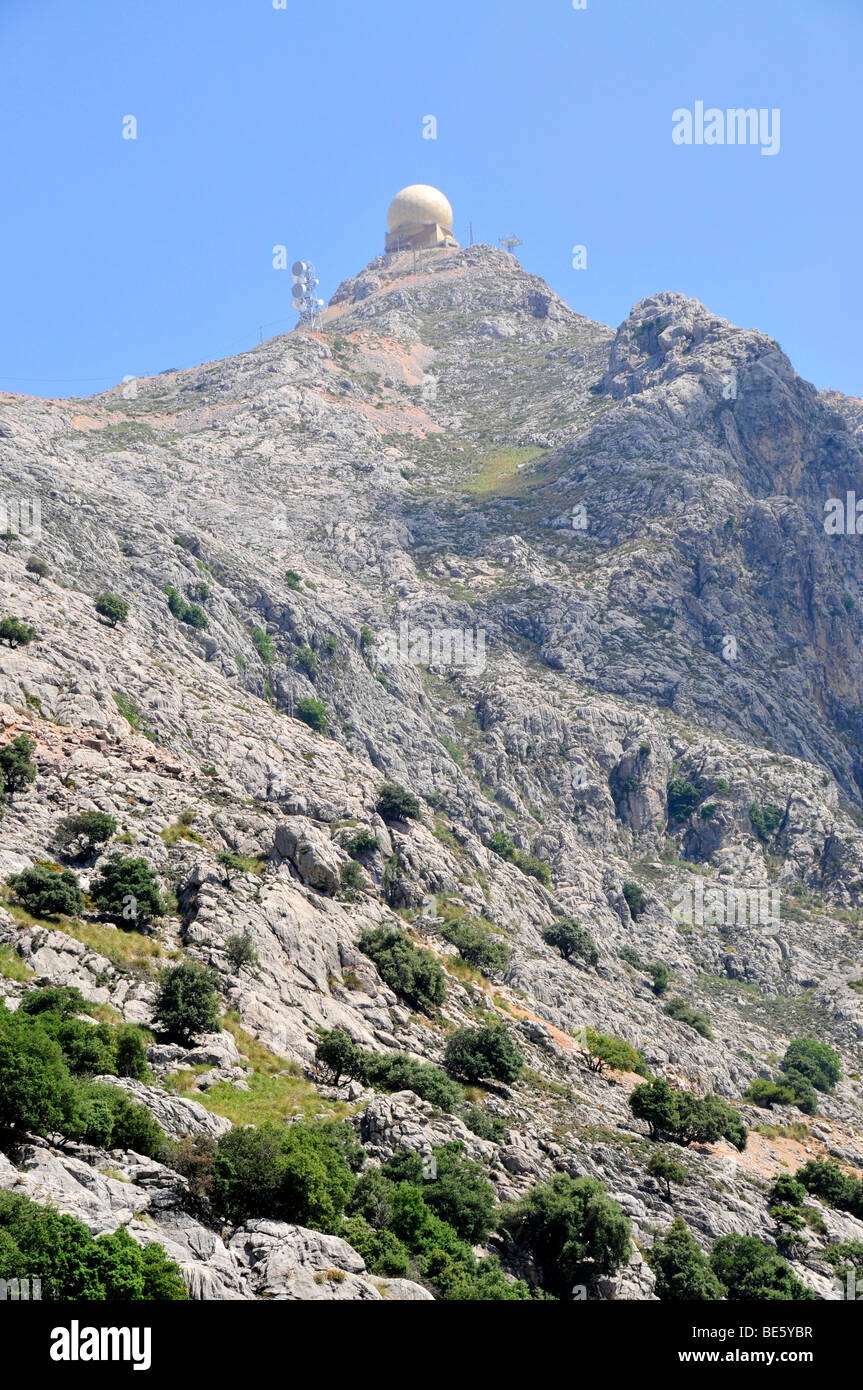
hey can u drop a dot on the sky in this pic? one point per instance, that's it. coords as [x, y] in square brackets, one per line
[270, 123]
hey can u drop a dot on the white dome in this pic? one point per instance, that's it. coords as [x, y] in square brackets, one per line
[419, 205]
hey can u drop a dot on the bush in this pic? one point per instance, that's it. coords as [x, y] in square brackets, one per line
[752, 1271]
[184, 612]
[263, 645]
[786, 1192]
[683, 1013]
[501, 844]
[684, 1118]
[294, 1173]
[635, 899]
[186, 1001]
[351, 878]
[383, 1252]
[80, 835]
[16, 633]
[815, 1061]
[660, 976]
[37, 1095]
[683, 797]
[47, 893]
[617, 1054]
[459, 1193]
[292, 579]
[473, 1053]
[764, 820]
[683, 1272]
[533, 866]
[484, 1124]
[240, 951]
[573, 1230]
[399, 1071]
[307, 662]
[313, 713]
[412, 973]
[363, 843]
[17, 769]
[108, 1119]
[38, 567]
[394, 803]
[766, 1094]
[826, 1180]
[126, 891]
[73, 1265]
[115, 609]
[666, 1170]
[338, 1052]
[477, 947]
[572, 940]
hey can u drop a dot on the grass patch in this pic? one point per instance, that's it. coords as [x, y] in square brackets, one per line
[502, 468]
[12, 966]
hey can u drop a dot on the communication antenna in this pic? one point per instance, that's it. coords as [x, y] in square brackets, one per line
[510, 242]
[304, 294]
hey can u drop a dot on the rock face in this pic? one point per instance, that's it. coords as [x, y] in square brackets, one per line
[564, 584]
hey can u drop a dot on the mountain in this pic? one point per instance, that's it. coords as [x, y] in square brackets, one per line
[570, 588]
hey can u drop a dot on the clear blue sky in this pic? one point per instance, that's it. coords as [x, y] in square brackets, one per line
[260, 126]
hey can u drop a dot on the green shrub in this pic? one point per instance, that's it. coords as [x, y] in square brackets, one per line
[351, 878]
[684, 1118]
[635, 899]
[126, 891]
[263, 645]
[501, 844]
[47, 893]
[665, 1169]
[17, 769]
[815, 1061]
[115, 609]
[292, 579]
[683, 1272]
[313, 713]
[484, 1124]
[459, 1193]
[394, 803]
[83, 833]
[186, 1002]
[38, 567]
[617, 1054]
[477, 947]
[572, 940]
[764, 820]
[681, 1011]
[754, 1272]
[786, 1191]
[184, 612]
[533, 866]
[16, 633]
[383, 1252]
[240, 951]
[37, 1095]
[108, 1119]
[766, 1094]
[295, 1173]
[825, 1179]
[683, 797]
[399, 1071]
[363, 843]
[573, 1230]
[409, 971]
[307, 662]
[473, 1053]
[660, 976]
[74, 1266]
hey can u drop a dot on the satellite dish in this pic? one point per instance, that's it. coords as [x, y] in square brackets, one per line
[299, 268]
[298, 304]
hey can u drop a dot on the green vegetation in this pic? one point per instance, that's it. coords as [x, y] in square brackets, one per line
[82, 834]
[37, 567]
[683, 1272]
[501, 844]
[292, 579]
[477, 946]
[826, 1180]
[753, 1272]
[683, 797]
[16, 633]
[307, 662]
[394, 803]
[684, 1013]
[296, 1173]
[17, 769]
[73, 1265]
[666, 1170]
[572, 1229]
[572, 940]
[410, 972]
[362, 844]
[607, 1052]
[47, 892]
[386, 1071]
[472, 1054]
[186, 1001]
[764, 820]
[263, 644]
[127, 892]
[313, 713]
[115, 609]
[808, 1066]
[684, 1118]
[635, 899]
[185, 612]
[240, 951]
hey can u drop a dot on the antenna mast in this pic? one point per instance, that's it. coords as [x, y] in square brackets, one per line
[304, 297]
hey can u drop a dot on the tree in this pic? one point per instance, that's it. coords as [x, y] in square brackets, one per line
[17, 769]
[683, 1272]
[572, 940]
[787, 1192]
[394, 803]
[666, 1170]
[814, 1061]
[108, 1119]
[240, 951]
[459, 1192]
[603, 1051]
[656, 1104]
[296, 1173]
[37, 1095]
[81, 834]
[338, 1052]
[411, 972]
[186, 1001]
[46, 893]
[115, 609]
[683, 797]
[685, 1118]
[473, 1053]
[9, 538]
[660, 976]
[16, 633]
[636, 901]
[127, 891]
[64, 1000]
[479, 948]
[352, 880]
[37, 567]
[752, 1271]
[573, 1230]
[827, 1181]
[313, 713]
